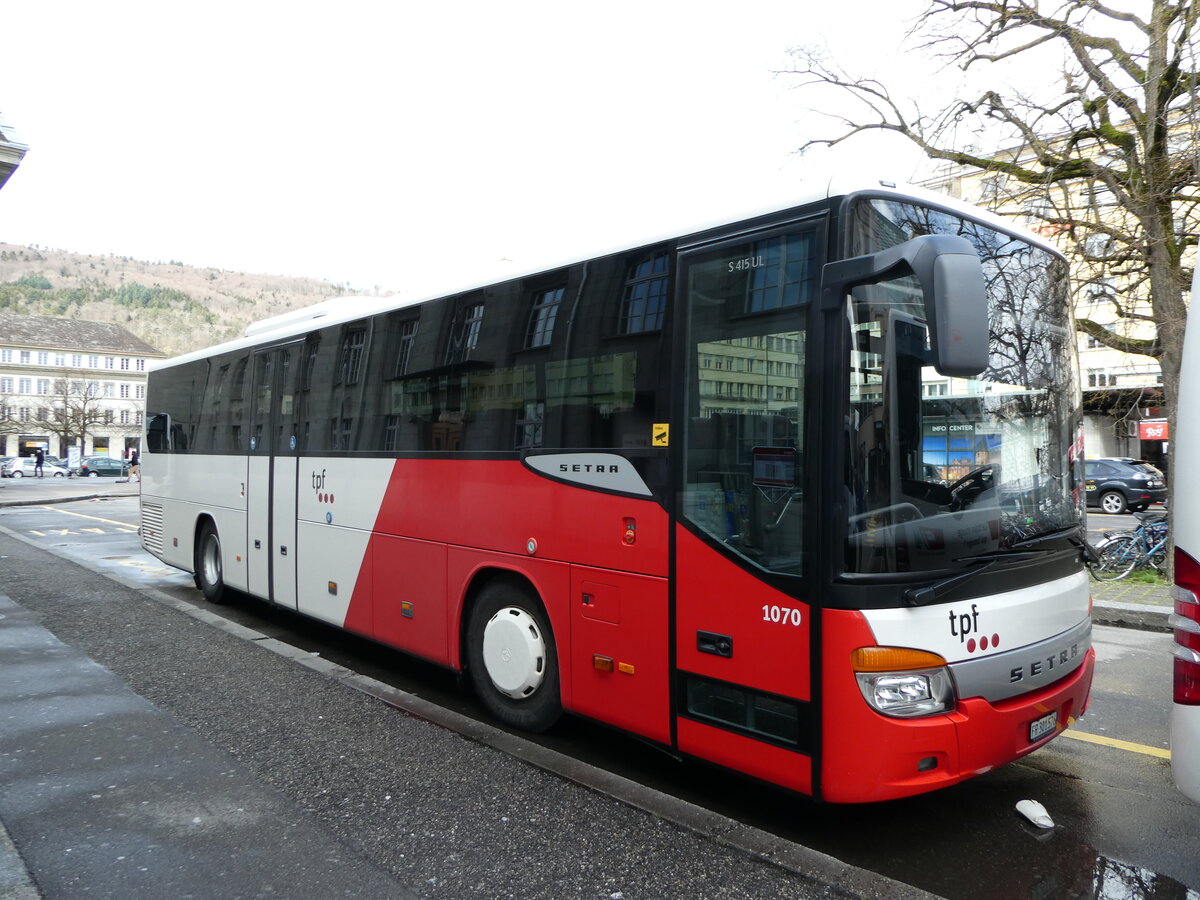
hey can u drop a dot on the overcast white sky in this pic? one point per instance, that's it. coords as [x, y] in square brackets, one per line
[412, 145]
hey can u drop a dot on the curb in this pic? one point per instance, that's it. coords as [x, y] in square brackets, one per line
[1132, 615]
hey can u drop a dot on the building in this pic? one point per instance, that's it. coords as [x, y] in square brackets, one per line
[1122, 392]
[12, 151]
[67, 383]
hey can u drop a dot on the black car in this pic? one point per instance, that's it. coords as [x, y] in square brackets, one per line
[1123, 484]
[97, 466]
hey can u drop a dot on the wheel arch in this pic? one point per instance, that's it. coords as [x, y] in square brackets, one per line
[483, 578]
[198, 523]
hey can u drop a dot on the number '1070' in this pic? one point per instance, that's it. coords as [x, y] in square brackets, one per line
[782, 615]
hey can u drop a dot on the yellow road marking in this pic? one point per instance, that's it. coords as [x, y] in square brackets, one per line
[67, 512]
[1118, 744]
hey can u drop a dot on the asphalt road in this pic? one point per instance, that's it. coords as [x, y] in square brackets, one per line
[1121, 829]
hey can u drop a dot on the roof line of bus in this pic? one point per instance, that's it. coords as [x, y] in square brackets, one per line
[339, 310]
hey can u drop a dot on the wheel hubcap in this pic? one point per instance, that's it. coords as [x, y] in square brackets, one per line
[514, 653]
[211, 561]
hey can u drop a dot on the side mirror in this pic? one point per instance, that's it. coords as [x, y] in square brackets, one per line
[952, 287]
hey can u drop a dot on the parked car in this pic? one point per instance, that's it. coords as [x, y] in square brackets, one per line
[4, 461]
[1123, 484]
[25, 467]
[97, 466]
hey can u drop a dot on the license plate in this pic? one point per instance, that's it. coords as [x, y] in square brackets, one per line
[1039, 728]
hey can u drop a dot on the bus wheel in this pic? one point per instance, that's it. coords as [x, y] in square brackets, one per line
[511, 658]
[209, 577]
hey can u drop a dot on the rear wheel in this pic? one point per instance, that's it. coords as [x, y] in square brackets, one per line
[1116, 559]
[511, 657]
[210, 576]
[1113, 502]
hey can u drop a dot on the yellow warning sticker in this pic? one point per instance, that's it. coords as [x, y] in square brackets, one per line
[661, 436]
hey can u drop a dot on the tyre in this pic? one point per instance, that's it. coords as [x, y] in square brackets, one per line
[1117, 558]
[59, 475]
[209, 573]
[1113, 502]
[93, 474]
[511, 657]
[17, 473]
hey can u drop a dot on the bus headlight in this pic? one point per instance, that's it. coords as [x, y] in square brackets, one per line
[903, 683]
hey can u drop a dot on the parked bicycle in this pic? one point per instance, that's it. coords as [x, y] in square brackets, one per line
[1121, 552]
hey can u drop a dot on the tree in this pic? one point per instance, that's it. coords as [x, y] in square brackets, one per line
[72, 410]
[1110, 162]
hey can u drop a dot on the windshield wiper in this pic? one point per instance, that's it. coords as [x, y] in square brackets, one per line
[1072, 534]
[1068, 532]
[922, 596]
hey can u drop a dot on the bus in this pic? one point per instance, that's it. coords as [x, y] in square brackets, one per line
[1185, 523]
[799, 495]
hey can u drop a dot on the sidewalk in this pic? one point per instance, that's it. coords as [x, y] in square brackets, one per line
[36, 491]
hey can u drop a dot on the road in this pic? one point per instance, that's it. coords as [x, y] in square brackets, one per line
[1121, 828]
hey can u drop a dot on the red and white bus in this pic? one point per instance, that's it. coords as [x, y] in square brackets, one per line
[1185, 524]
[800, 495]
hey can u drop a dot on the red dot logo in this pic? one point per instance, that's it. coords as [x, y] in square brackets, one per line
[995, 641]
[983, 642]
[971, 645]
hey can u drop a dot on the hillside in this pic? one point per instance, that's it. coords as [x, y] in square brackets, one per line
[172, 306]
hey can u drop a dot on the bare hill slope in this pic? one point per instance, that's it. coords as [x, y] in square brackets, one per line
[172, 306]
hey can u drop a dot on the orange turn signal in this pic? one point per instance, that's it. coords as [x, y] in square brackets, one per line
[893, 659]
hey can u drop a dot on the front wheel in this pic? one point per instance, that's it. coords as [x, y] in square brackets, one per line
[1116, 559]
[209, 572]
[1113, 502]
[93, 474]
[17, 473]
[511, 658]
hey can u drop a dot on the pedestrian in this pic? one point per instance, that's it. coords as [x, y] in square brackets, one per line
[39, 459]
[135, 468]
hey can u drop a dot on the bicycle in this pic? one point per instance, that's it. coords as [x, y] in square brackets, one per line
[1121, 552]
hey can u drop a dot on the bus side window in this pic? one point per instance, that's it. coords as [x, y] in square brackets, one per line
[158, 432]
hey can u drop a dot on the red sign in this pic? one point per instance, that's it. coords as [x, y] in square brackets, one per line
[1152, 431]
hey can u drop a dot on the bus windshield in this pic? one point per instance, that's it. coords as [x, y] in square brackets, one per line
[942, 470]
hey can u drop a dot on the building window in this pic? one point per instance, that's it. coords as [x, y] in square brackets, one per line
[43, 386]
[124, 392]
[408, 337]
[542, 318]
[109, 362]
[125, 363]
[351, 355]
[77, 360]
[124, 417]
[139, 392]
[60, 359]
[43, 358]
[1098, 378]
[93, 362]
[141, 365]
[645, 300]
[24, 357]
[5, 356]
[6, 385]
[24, 386]
[108, 389]
[465, 337]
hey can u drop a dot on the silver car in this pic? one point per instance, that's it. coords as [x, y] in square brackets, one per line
[25, 467]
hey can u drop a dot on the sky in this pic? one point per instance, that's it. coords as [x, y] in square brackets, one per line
[406, 147]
